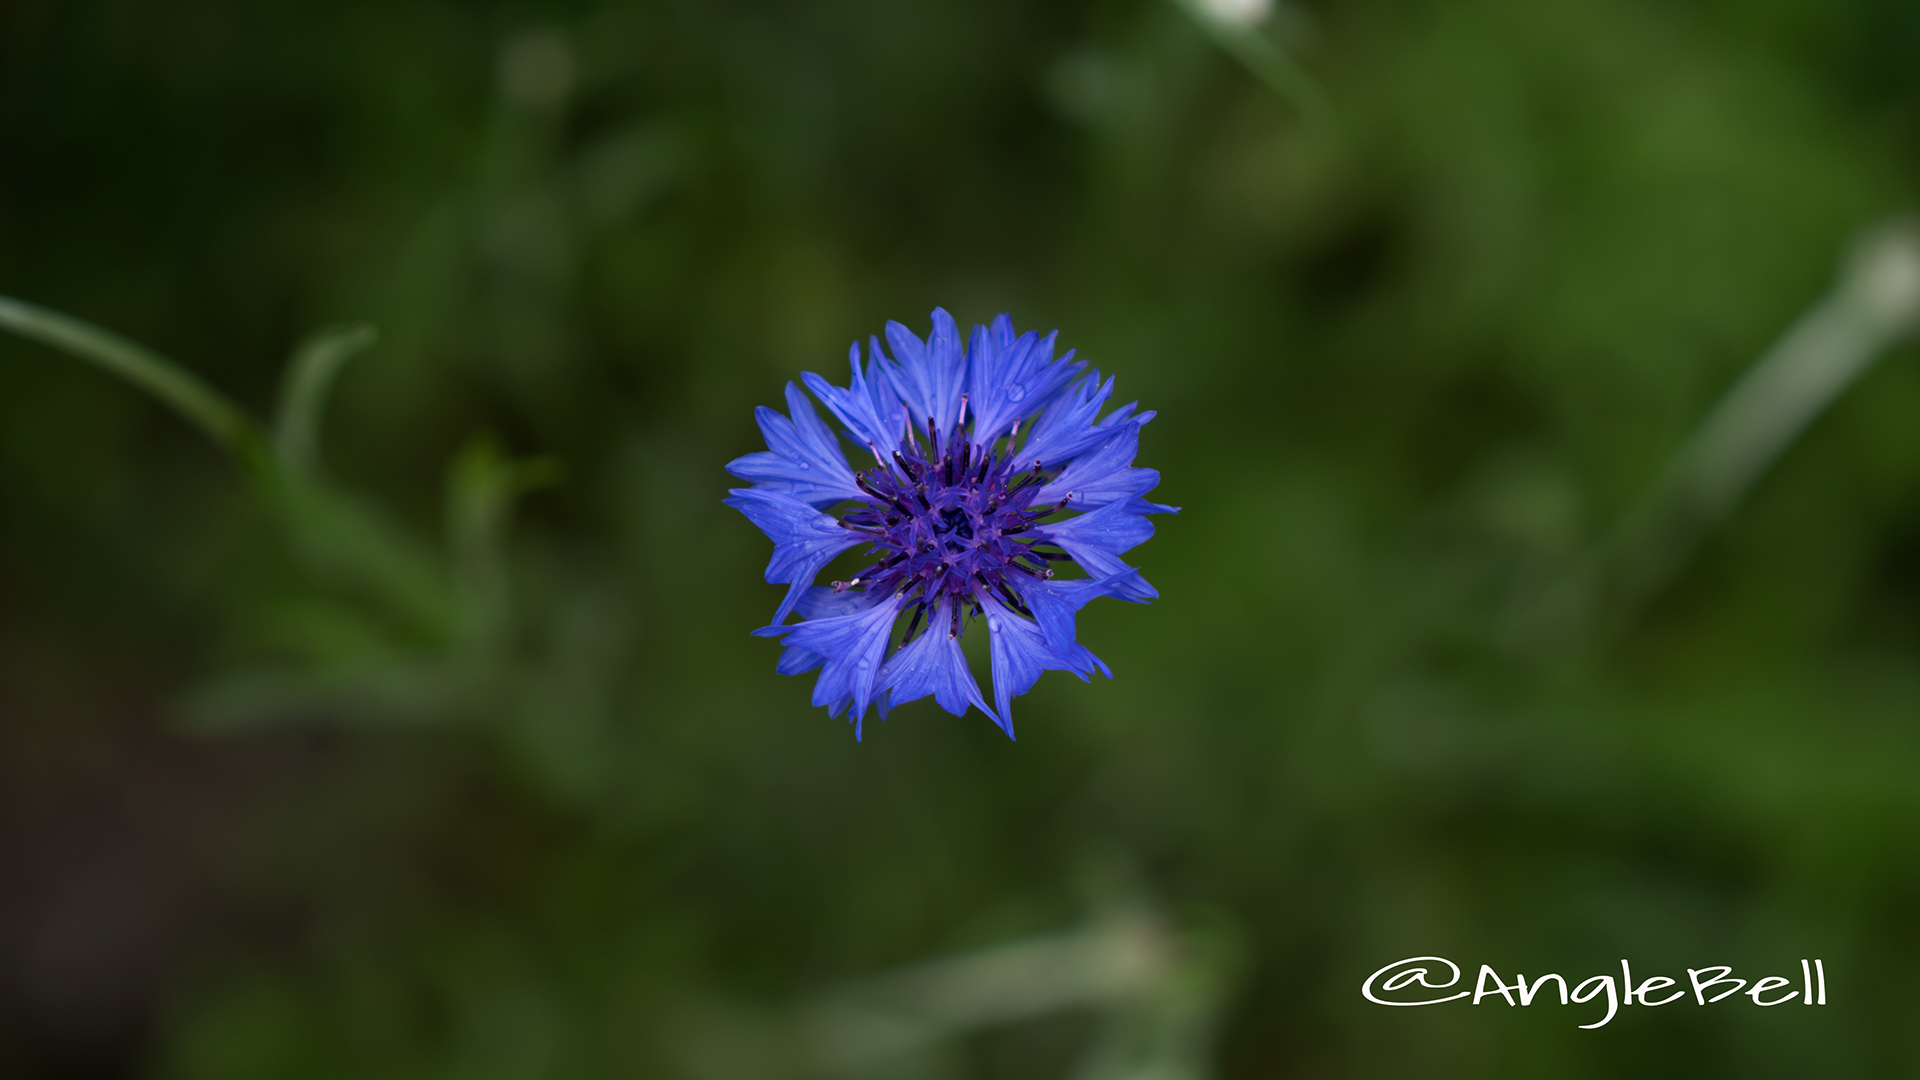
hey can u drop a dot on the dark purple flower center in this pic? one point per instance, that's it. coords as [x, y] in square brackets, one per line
[952, 520]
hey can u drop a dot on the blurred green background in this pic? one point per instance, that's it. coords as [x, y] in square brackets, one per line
[474, 771]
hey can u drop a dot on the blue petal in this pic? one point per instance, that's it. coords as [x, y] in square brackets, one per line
[802, 460]
[1105, 475]
[949, 359]
[1002, 331]
[852, 647]
[1012, 378]
[1054, 603]
[1020, 653]
[868, 406]
[834, 710]
[931, 374]
[990, 357]
[804, 539]
[1066, 430]
[933, 664]
[824, 602]
[818, 602]
[1081, 661]
[1097, 539]
[798, 661]
[912, 380]
[1124, 413]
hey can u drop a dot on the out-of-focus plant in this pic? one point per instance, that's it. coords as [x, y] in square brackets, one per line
[1237, 27]
[1154, 991]
[394, 627]
[1874, 303]
[390, 627]
[499, 267]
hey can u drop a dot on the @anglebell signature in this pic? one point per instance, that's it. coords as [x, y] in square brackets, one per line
[1414, 977]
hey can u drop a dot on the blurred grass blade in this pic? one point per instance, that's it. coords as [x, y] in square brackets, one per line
[303, 393]
[416, 690]
[173, 385]
[1234, 26]
[343, 540]
[1875, 302]
[1154, 990]
[1157, 987]
[481, 491]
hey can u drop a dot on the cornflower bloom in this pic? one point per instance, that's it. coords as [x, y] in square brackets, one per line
[992, 467]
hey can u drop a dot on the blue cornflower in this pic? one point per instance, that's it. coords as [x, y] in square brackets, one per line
[961, 510]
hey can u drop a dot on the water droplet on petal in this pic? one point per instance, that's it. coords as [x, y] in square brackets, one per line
[993, 625]
[1016, 392]
[865, 664]
[804, 465]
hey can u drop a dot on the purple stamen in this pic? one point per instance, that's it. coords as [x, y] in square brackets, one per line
[940, 515]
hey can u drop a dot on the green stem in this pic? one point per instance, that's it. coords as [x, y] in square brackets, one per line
[181, 390]
[1267, 62]
[303, 393]
[1875, 303]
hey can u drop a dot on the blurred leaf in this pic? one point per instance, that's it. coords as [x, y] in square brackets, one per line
[169, 383]
[304, 389]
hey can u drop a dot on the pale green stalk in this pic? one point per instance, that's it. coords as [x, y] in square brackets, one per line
[303, 393]
[176, 387]
[1875, 302]
[1267, 61]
